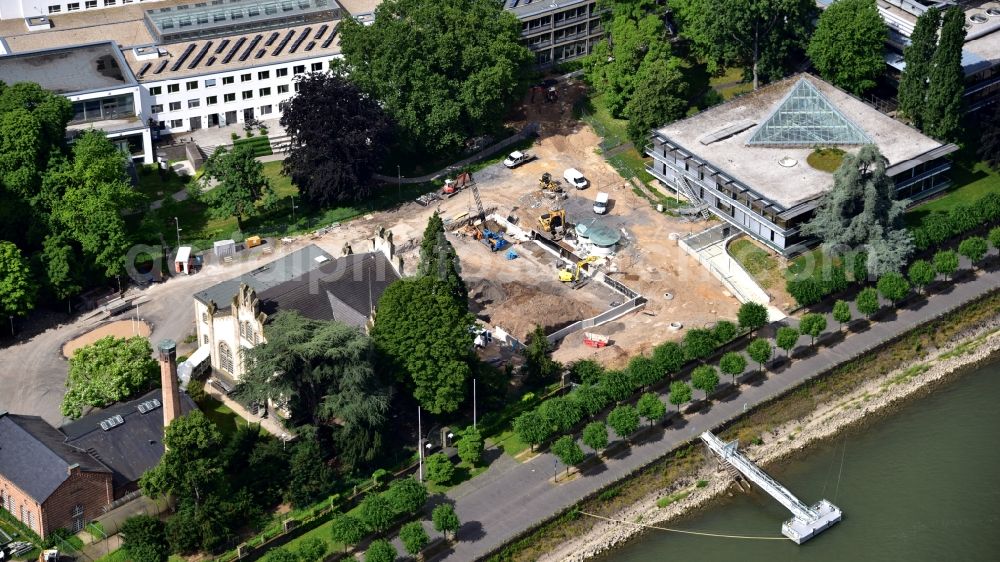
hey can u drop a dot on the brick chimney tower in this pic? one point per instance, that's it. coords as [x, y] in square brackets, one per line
[168, 381]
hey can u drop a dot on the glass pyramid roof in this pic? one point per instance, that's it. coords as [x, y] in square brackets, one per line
[806, 118]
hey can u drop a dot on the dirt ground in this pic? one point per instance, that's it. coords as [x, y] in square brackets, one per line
[118, 329]
[517, 294]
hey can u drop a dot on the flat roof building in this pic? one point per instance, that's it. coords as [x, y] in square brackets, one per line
[558, 31]
[746, 160]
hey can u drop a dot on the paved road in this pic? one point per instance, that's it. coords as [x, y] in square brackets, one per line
[510, 499]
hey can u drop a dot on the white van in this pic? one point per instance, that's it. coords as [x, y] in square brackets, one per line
[601, 203]
[575, 178]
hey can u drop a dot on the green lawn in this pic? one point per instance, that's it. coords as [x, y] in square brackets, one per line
[221, 415]
[114, 556]
[972, 180]
[508, 442]
[595, 113]
[322, 532]
[463, 472]
[758, 262]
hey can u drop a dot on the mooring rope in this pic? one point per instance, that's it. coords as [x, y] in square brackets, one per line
[698, 533]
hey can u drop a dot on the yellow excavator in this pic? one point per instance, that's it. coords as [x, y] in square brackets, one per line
[546, 183]
[553, 223]
[572, 275]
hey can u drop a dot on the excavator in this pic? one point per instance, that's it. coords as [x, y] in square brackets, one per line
[569, 275]
[553, 223]
[547, 184]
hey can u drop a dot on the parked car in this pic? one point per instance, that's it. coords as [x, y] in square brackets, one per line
[516, 158]
[575, 178]
[601, 203]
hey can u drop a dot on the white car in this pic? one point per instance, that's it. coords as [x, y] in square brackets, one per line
[575, 178]
[516, 158]
[601, 203]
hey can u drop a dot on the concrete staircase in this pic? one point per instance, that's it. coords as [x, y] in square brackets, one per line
[280, 143]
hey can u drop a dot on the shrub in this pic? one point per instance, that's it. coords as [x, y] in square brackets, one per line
[724, 331]
[439, 468]
[380, 551]
[196, 391]
[698, 343]
[144, 539]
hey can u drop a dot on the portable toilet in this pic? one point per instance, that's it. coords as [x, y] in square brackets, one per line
[183, 261]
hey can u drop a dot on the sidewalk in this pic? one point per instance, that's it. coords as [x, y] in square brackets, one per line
[510, 499]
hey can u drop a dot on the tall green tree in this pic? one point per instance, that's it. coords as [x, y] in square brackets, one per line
[422, 334]
[733, 363]
[17, 289]
[760, 350]
[568, 451]
[414, 537]
[813, 325]
[531, 428]
[338, 137]
[347, 530]
[311, 478]
[842, 312]
[761, 36]
[107, 371]
[144, 539]
[651, 407]
[862, 210]
[893, 286]
[470, 446]
[324, 371]
[539, 367]
[946, 263]
[445, 520]
[233, 184]
[867, 301]
[444, 70]
[191, 466]
[643, 372]
[668, 357]
[943, 113]
[787, 338]
[380, 550]
[698, 343]
[752, 316]
[595, 435]
[438, 259]
[918, 55]
[705, 378]
[848, 44]
[659, 97]
[680, 392]
[974, 248]
[440, 469]
[624, 420]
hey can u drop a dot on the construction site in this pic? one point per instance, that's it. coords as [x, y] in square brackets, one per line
[533, 250]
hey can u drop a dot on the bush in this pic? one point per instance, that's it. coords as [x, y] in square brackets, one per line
[699, 343]
[196, 391]
[724, 331]
[587, 371]
[347, 530]
[312, 550]
[407, 495]
[440, 470]
[144, 539]
[380, 551]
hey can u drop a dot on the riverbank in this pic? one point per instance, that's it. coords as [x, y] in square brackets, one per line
[970, 346]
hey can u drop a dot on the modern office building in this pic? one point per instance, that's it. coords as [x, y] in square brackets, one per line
[558, 31]
[746, 161]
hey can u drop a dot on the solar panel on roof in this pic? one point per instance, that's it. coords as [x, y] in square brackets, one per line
[222, 46]
[321, 31]
[161, 66]
[260, 53]
[272, 39]
[210, 61]
[284, 41]
[326, 44]
[253, 45]
[310, 46]
[302, 37]
[232, 52]
[183, 57]
[201, 54]
[144, 68]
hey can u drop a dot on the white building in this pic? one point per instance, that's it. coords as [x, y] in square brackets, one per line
[230, 316]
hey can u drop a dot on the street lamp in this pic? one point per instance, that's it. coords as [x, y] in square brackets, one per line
[293, 208]
[177, 224]
[399, 182]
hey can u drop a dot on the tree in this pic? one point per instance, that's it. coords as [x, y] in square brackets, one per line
[538, 364]
[144, 539]
[680, 393]
[659, 98]
[58, 261]
[190, 468]
[994, 237]
[444, 71]
[588, 371]
[234, 184]
[324, 371]
[787, 338]
[921, 274]
[974, 248]
[377, 512]
[918, 55]
[311, 477]
[17, 291]
[414, 537]
[893, 287]
[813, 324]
[760, 351]
[867, 301]
[723, 331]
[643, 371]
[624, 420]
[762, 36]
[422, 333]
[668, 357]
[651, 408]
[943, 110]
[861, 210]
[338, 137]
[946, 263]
[733, 364]
[752, 316]
[406, 495]
[445, 520]
[705, 378]
[470, 446]
[380, 550]
[312, 549]
[848, 43]
[531, 428]
[618, 385]
[440, 469]
[347, 530]
[107, 371]
[595, 435]
[438, 259]
[698, 343]
[568, 452]
[560, 413]
[591, 398]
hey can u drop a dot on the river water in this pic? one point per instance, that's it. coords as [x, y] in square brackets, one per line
[921, 483]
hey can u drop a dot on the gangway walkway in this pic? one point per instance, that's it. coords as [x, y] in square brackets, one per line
[806, 522]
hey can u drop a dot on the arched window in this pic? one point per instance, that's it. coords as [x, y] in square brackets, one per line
[225, 357]
[249, 330]
[243, 329]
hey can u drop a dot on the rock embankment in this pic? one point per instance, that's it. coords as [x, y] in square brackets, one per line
[971, 348]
